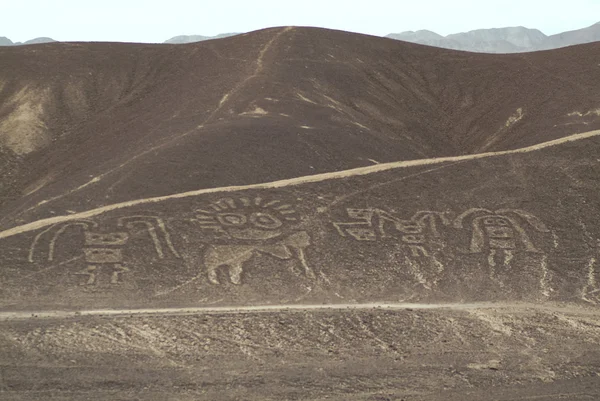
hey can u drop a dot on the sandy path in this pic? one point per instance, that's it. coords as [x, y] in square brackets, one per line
[57, 314]
[292, 181]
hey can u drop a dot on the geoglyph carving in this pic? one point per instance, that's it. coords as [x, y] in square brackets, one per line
[104, 250]
[251, 227]
[591, 290]
[416, 234]
[500, 234]
[372, 226]
[153, 225]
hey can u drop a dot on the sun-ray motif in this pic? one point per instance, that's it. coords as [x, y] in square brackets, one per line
[271, 203]
[246, 214]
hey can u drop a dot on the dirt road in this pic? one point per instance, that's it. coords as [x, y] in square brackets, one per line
[61, 314]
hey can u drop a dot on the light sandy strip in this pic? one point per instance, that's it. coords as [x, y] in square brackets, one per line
[289, 182]
[56, 314]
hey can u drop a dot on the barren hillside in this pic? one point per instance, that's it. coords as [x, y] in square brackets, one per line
[97, 123]
[298, 214]
[281, 291]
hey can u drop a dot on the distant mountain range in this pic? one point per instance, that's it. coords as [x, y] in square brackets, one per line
[4, 41]
[501, 40]
[197, 38]
[495, 40]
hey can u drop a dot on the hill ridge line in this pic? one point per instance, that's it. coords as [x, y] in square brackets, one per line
[291, 181]
[173, 311]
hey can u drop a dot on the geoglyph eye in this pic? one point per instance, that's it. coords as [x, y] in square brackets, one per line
[265, 220]
[232, 219]
[495, 221]
[246, 213]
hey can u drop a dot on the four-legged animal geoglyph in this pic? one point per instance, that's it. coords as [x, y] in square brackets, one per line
[253, 227]
[234, 256]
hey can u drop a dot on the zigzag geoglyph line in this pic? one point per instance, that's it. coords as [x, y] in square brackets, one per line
[290, 182]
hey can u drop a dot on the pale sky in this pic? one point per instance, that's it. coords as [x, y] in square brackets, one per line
[157, 21]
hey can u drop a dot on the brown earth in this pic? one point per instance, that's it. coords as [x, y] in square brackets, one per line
[512, 226]
[375, 355]
[127, 121]
[518, 228]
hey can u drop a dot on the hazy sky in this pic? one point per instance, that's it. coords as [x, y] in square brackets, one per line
[156, 21]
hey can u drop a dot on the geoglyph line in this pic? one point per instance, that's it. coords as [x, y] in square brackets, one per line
[58, 314]
[291, 181]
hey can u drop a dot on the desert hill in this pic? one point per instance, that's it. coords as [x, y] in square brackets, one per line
[83, 125]
[298, 214]
[493, 40]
